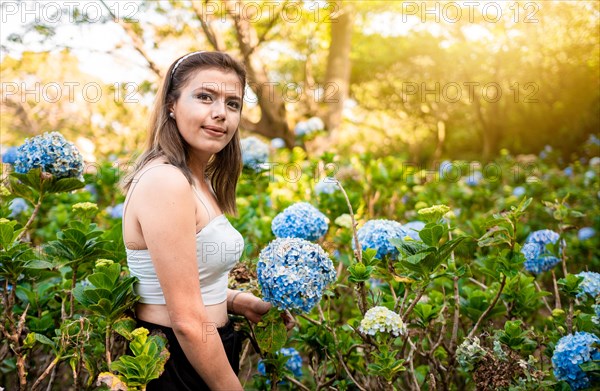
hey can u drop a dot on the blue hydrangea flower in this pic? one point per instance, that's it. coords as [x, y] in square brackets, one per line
[254, 152]
[572, 351]
[590, 284]
[17, 206]
[277, 143]
[293, 273]
[376, 234]
[326, 185]
[116, 212]
[568, 171]
[449, 171]
[293, 364]
[586, 233]
[596, 318]
[519, 191]
[546, 151]
[300, 220]
[52, 153]
[10, 155]
[474, 179]
[412, 229]
[594, 140]
[313, 124]
[537, 257]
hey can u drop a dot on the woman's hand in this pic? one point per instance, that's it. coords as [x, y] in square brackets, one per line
[253, 308]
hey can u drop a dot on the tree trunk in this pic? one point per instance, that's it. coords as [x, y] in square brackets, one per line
[337, 78]
[441, 138]
[273, 121]
[490, 130]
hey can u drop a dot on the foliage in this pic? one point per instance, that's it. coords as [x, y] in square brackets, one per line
[456, 308]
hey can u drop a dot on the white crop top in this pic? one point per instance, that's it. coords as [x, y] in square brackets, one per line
[219, 247]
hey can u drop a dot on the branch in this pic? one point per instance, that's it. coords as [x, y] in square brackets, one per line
[46, 372]
[270, 25]
[23, 113]
[413, 304]
[138, 43]
[360, 287]
[490, 307]
[543, 298]
[296, 382]
[413, 348]
[206, 27]
[31, 218]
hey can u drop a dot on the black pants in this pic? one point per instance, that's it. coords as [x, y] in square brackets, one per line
[179, 374]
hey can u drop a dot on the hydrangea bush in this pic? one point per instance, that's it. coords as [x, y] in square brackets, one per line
[300, 220]
[570, 352]
[293, 274]
[433, 322]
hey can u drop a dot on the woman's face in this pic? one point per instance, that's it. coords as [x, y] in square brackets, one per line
[208, 111]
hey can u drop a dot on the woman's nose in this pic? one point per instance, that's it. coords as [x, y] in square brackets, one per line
[218, 109]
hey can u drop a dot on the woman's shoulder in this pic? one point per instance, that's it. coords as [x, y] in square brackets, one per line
[158, 174]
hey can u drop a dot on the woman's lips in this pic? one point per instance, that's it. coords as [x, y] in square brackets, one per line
[214, 130]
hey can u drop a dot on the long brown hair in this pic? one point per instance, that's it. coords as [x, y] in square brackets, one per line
[164, 139]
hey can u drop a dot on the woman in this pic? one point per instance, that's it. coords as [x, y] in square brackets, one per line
[179, 244]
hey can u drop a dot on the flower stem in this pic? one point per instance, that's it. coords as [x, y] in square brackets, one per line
[36, 210]
[107, 343]
[490, 307]
[358, 249]
[556, 294]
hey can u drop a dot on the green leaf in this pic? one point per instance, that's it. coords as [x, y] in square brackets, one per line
[446, 249]
[417, 258]
[22, 190]
[124, 327]
[570, 285]
[101, 280]
[6, 234]
[31, 179]
[64, 185]
[270, 332]
[35, 337]
[359, 272]
[590, 366]
[39, 264]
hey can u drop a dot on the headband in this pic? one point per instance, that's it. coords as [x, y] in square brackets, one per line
[183, 58]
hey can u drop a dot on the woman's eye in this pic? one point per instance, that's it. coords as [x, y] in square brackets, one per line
[235, 105]
[204, 97]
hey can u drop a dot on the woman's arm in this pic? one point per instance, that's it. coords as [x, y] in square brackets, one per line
[246, 304]
[164, 208]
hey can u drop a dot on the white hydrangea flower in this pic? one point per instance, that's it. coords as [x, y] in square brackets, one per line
[381, 319]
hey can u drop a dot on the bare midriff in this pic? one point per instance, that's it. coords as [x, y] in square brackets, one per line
[158, 314]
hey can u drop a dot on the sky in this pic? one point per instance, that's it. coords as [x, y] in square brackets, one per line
[94, 43]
